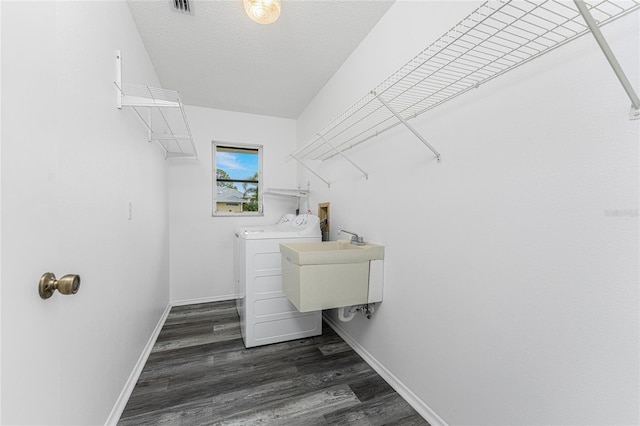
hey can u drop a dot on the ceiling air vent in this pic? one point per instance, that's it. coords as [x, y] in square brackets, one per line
[183, 6]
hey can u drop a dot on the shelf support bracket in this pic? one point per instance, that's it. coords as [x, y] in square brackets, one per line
[119, 79]
[409, 126]
[311, 170]
[634, 114]
[340, 153]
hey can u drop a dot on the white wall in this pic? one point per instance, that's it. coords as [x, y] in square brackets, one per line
[71, 162]
[202, 245]
[518, 305]
[511, 288]
[0, 212]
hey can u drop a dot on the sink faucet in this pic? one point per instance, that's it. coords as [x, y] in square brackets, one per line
[355, 239]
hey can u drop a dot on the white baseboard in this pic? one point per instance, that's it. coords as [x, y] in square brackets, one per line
[423, 409]
[122, 400]
[204, 300]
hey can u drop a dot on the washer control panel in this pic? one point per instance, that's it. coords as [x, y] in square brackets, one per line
[305, 223]
[286, 219]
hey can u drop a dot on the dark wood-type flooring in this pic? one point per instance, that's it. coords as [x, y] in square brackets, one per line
[200, 373]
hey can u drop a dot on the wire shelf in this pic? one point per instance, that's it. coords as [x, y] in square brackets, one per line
[289, 193]
[497, 37]
[162, 113]
[149, 96]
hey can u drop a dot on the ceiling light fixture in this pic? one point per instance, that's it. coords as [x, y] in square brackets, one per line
[263, 11]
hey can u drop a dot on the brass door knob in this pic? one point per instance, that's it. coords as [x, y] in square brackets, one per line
[69, 284]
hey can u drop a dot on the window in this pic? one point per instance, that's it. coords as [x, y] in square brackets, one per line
[237, 181]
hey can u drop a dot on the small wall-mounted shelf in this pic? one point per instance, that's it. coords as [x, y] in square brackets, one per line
[289, 193]
[162, 113]
[496, 38]
[297, 194]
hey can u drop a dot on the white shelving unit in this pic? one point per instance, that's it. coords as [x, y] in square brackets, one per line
[288, 193]
[496, 38]
[297, 194]
[162, 113]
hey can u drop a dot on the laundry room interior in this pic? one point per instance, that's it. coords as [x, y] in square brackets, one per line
[493, 193]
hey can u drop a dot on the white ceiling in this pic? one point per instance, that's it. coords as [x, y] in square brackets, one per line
[217, 57]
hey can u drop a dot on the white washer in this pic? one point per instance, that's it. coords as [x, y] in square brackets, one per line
[266, 315]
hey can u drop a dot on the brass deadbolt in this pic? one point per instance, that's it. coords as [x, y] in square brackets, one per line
[69, 284]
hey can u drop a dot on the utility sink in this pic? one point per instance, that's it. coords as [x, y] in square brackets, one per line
[323, 252]
[331, 274]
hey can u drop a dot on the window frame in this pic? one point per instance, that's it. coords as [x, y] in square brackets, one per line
[240, 146]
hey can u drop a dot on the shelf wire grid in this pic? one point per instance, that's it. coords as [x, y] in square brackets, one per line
[497, 37]
[154, 96]
[166, 120]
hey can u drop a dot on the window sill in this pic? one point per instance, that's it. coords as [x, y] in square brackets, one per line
[231, 214]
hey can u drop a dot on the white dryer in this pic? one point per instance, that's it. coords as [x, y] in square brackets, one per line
[266, 315]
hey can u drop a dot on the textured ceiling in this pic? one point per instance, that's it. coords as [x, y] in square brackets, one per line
[217, 57]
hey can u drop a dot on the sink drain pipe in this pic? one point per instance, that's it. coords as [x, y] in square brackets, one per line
[345, 314]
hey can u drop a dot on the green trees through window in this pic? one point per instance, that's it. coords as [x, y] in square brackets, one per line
[237, 186]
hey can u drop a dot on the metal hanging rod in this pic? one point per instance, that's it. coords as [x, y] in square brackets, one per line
[498, 37]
